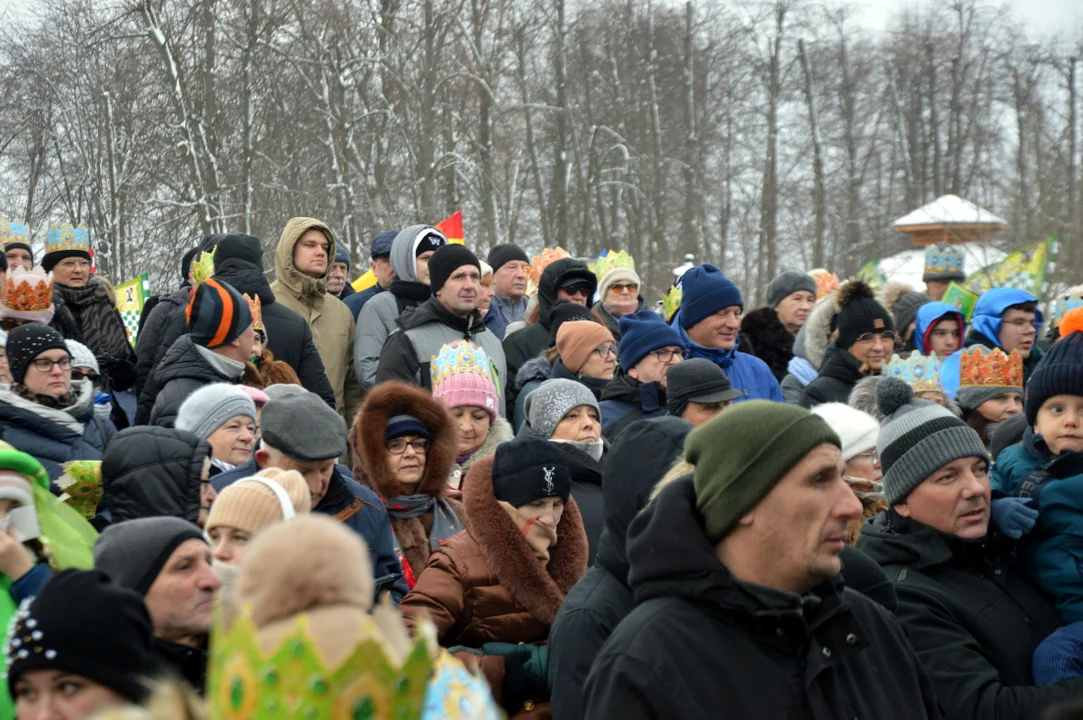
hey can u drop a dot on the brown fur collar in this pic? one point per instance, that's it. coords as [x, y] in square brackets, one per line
[370, 449]
[539, 589]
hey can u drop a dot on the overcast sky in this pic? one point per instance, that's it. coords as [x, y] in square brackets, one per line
[1044, 16]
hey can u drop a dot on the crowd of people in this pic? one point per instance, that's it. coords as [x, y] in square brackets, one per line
[513, 487]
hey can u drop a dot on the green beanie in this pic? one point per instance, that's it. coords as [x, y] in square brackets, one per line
[743, 452]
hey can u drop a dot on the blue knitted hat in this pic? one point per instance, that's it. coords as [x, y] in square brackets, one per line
[706, 291]
[642, 332]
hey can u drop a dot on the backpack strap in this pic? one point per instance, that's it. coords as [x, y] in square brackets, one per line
[349, 511]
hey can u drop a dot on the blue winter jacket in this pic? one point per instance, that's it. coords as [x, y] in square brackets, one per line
[1053, 551]
[930, 313]
[357, 300]
[746, 373]
[370, 521]
[495, 323]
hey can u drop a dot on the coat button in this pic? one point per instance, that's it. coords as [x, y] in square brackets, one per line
[827, 652]
[851, 639]
[779, 632]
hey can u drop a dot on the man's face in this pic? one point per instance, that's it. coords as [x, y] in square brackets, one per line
[801, 524]
[578, 293]
[421, 266]
[73, 271]
[874, 348]
[339, 274]
[181, 600]
[945, 338]
[317, 473]
[510, 280]
[241, 348]
[19, 257]
[718, 330]
[652, 366]
[312, 253]
[1017, 331]
[1060, 423]
[954, 499]
[485, 294]
[699, 413]
[936, 289]
[794, 310]
[381, 268]
[459, 293]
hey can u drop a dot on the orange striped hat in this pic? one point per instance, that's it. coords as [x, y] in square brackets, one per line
[217, 314]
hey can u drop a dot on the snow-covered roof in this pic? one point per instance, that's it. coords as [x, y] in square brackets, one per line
[948, 210]
[909, 265]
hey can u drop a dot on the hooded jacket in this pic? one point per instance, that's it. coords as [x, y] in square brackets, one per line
[699, 639]
[379, 315]
[809, 348]
[746, 373]
[769, 340]
[408, 352]
[587, 491]
[149, 471]
[151, 344]
[185, 368]
[928, 316]
[603, 597]
[626, 400]
[972, 618]
[331, 322]
[837, 378]
[536, 371]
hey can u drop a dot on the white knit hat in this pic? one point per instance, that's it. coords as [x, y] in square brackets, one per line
[856, 429]
[81, 356]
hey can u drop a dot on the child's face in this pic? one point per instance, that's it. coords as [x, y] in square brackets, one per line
[1060, 423]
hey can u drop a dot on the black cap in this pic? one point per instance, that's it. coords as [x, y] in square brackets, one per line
[504, 253]
[243, 247]
[527, 469]
[445, 261]
[697, 380]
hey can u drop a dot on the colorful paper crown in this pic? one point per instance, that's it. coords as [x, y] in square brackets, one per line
[454, 692]
[920, 372]
[256, 306]
[671, 301]
[540, 262]
[826, 282]
[82, 486]
[202, 268]
[990, 369]
[461, 357]
[14, 230]
[1066, 303]
[611, 260]
[944, 260]
[29, 293]
[61, 238]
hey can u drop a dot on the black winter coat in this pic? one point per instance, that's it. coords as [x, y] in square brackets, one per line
[626, 400]
[186, 662]
[182, 371]
[973, 619]
[838, 375]
[150, 470]
[150, 344]
[768, 339]
[602, 597]
[587, 491]
[701, 643]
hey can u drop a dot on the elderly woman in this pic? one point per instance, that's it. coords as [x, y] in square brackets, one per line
[225, 416]
[494, 589]
[405, 444]
[44, 412]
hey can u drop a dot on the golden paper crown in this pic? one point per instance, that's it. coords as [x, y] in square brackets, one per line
[82, 486]
[992, 369]
[65, 237]
[256, 306]
[27, 291]
[671, 301]
[612, 260]
[460, 357]
[540, 262]
[920, 372]
[202, 268]
[826, 282]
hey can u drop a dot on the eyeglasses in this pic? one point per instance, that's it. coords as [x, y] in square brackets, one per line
[80, 375]
[398, 445]
[579, 289]
[1022, 324]
[889, 337]
[665, 355]
[624, 287]
[606, 350]
[45, 365]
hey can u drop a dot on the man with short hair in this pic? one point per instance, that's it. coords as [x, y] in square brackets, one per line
[168, 561]
[18, 253]
[338, 282]
[380, 264]
[739, 603]
[697, 390]
[969, 612]
[301, 433]
[450, 314]
[710, 322]
[771, 330]
[509, 263]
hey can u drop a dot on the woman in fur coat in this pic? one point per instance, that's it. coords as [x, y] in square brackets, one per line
[404, 445]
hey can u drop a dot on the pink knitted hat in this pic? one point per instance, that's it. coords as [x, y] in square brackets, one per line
[462, 374]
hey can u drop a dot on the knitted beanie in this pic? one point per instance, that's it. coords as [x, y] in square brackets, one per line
[81, 356]
[856, 429]
[860, 313]
[445, 261]
[247, 248]
[787, 284]
[504, 253]
[561, 312]
[578, 339]
[741, 454]
[217, 314]
[985, 373]
[462, 375]
[547, 406]
[906, 308]
[917, 438]
[705, 291]
[211, 407]
[614, 276]
[527, 469]
[404, 424]
[28, 341]
[342, 255]
[642, 332]
[428, 239]
[133, 552]
[250, 504]
[1060, 372]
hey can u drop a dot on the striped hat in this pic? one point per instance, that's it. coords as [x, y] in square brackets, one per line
[217, 314]
[917, 439]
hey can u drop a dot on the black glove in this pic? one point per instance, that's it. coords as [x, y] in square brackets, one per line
[120, 373]
[526, 676]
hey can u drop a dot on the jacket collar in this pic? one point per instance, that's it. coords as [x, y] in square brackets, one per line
[432, 310]
[224, 366]
[721, 358]
[649, 397]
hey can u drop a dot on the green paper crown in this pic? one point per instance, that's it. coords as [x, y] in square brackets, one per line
[671, 301]
[82, 486]
[612, 260]
[202, 268]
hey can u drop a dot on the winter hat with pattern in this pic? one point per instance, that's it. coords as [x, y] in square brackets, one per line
[642, 332]
[81, 356]
[250, 504]
[28, 341]
[562, 312]
[462, 375]
[856, 429]
[211, 407]
[217, 314]
[133, 552]
[547, 406]
[741, 454]
[860, 313]
[527, 469]
[578, 339]
[445, 261]
[917, 438]
[706, 291]
[1060, 372]
[504, 253]
[787, 284]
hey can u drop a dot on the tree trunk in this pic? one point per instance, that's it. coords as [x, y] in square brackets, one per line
[819, 192]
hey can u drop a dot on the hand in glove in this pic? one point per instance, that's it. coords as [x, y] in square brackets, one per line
[526, 676]
[1015, 516]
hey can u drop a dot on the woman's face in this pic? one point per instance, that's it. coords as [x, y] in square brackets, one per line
[865, 466]
[546, 511]
[258, 344]
[581, 424]
[233, 442]
[1001, 407]
[228, 544]
[5, 369]
[474, 423]
[59, 695]
[601, 363]
[49, 373]
[406, 458]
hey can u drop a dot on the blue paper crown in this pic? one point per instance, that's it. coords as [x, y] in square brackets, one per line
[943, 259]
[920, 372]
[65, 237]
[13, 230]
[1066, 304]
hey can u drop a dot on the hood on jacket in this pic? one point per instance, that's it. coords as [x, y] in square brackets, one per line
[931, 313]
[403, 260]
[367, 438]
[246, 278]
[537, 368]
[556, 274]
[815, 335]
[300, 285]
[150, 470]
[648, 397]
[989, 311]
[639, 459]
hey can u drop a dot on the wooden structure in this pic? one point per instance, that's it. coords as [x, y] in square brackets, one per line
[949, 219]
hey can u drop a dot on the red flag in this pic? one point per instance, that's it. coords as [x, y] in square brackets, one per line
[452, 228]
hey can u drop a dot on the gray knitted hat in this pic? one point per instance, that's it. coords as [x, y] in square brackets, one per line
[133, 552]
[547, 406]
[787, 284]
[918, 437]
[211, 407]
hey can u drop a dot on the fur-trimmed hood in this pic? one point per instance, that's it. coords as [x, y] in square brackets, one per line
[539, 589]
[536, 368]
[815, 335]
[769, 340]
[367, 434]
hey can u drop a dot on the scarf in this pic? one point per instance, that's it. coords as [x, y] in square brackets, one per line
[64, 402]
[594, 449]
[444, 522]
[96, 315]
[539, 537]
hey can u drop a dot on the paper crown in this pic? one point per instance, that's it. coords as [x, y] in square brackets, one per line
[461, 357]
[82, 486]
[611, 260]
[13, 230]
[202, 268]
[28, 293]
[671, 301]
[826, 282]
[1066, 303]
[944, 259]
[920, 372]
[64, 237]
[990, 369]
[540, 262]
[256, 306]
